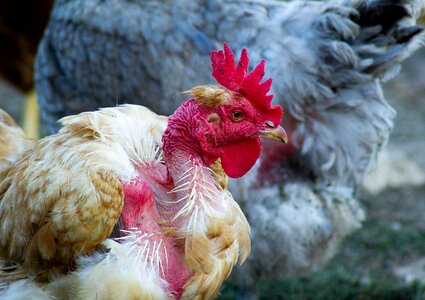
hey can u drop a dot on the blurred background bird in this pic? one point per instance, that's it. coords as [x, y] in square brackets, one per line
[328, 60]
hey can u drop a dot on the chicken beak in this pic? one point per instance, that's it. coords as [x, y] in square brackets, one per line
[276, 133]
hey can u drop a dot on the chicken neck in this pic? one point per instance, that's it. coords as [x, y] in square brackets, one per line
[207, 219]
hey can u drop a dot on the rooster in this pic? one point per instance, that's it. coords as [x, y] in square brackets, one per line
[155, 185]
[329, 60]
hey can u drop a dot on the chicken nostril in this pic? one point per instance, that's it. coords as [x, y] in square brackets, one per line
[270, 124]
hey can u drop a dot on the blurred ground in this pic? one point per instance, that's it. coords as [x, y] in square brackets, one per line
[384, 259]
[407, 94]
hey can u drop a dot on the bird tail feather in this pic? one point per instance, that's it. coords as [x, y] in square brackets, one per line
[357, 46]
[399, 35]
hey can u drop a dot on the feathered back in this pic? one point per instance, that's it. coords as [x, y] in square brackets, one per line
[88, 159]
[133, 131]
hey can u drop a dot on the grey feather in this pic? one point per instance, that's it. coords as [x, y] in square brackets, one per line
[298, 226]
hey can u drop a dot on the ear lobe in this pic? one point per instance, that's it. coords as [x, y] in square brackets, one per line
[237, 159]
[214, 118]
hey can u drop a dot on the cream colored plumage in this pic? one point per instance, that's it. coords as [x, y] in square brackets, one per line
[61, 196]
[57, 187]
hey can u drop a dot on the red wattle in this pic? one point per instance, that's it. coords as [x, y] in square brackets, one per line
[237, 159]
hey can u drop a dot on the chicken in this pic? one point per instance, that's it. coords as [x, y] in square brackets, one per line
[126, 174]
[328, 60]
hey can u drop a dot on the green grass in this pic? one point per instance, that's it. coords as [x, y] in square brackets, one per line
[337, 284]
[334, 282]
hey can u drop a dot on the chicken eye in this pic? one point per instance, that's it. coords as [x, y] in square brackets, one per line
[236, 115]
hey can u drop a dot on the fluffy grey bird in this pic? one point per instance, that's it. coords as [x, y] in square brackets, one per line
[327, 59]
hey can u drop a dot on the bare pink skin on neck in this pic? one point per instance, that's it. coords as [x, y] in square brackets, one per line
[184, 141]
[141, 213]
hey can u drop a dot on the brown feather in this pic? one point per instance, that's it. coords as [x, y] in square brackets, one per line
[219, 175]
[53, 207]
[209, 95]
[42, 247]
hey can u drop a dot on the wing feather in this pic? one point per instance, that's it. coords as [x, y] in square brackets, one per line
[63, 197]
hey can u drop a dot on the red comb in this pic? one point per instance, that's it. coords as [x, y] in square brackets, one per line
[236, 79]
